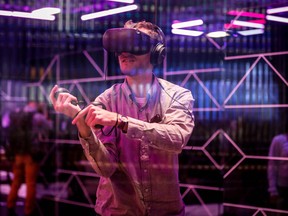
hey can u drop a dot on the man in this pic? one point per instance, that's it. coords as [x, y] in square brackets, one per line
[27, 128]
[146, 121]
[278, 171]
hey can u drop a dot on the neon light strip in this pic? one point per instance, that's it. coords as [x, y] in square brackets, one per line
[45, 13]
[229, 25]
[256, 106]
[187, 24]
[27, 15]
[248, 24]
[277, 18]
[255, 55]
[254, 207]
[47, 10]
[109, 12]
[123, 1]
[205, 70]
[187, 32]
[251, 32]
[217, 34]
[246, 14]
[277, 10]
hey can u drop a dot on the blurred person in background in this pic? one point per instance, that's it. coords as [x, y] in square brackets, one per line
[28, 127]
[278, 171]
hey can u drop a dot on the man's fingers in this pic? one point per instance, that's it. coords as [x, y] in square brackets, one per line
[80, 114]
[52, 93]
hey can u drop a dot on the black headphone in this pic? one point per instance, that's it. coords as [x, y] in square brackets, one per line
[158, 52]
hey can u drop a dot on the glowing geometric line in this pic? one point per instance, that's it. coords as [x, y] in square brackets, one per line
[254, 208]
[256, 106]
[214, 43]
[91, 60]
[275, 70]
[205, 70]
[206, 90]
[84, 190]
[242, 80]
[266, 157]
[207, 109]
[255, 55]
[86, 98]
[48, 68]
[220, 167]
[233, 167]
[201, 201]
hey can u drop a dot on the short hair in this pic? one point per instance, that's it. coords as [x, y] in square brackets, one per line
[153, 31]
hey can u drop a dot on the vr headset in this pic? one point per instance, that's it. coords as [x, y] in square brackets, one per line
[133, 41]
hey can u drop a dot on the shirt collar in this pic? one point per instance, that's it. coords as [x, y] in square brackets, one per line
[151, 94]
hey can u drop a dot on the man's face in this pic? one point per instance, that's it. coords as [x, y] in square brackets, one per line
[131, 64]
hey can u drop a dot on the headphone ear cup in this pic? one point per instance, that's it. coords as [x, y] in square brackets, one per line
[158, 54]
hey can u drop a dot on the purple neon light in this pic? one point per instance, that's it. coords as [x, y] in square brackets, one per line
[109, 12]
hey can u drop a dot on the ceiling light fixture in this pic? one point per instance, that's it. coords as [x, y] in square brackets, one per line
[42, 13]
[251, 32]
[187, 24]
[246, 14]
[248, 24]
[123, 1]
[186, 32]
[277, 18]
[217, 34]
[47, 10]
[109, 12]
[277, 10]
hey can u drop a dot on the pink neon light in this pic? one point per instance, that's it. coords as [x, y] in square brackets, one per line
[277, 10]
[246, 14]
[109, 12]
[123, 1]
[230, 25]
[247, 24]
